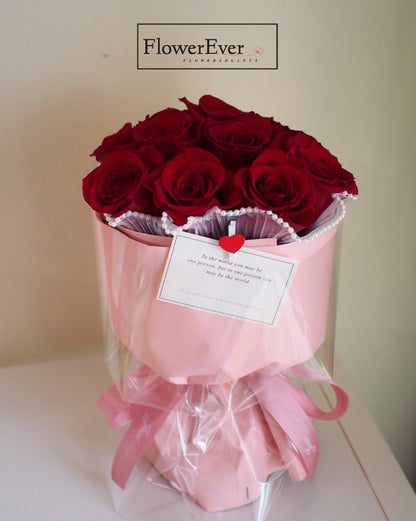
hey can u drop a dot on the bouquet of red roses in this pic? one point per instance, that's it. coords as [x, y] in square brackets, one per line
[215, 233]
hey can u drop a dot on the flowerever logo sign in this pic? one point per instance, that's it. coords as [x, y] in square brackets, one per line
[210, 46]
[207, 46]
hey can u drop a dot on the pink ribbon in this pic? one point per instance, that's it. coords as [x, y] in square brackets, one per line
[293, 410]
[282, 402]
[144, 420]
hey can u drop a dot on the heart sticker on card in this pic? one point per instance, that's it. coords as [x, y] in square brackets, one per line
[232, 244]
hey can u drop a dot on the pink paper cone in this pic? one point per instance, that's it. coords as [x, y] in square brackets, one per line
[186, 345]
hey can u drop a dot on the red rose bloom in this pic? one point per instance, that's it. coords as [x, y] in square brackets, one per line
[122, 139]
[327, 171]
[280, 136]
[188, 184]
[323, 166]
[170, 131]
[212, 108]
[299, 140]
[108, 188]
[236, 144]
[281, 183]
[229, 195]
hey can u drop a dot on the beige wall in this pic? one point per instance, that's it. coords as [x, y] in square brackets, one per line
[346, 75]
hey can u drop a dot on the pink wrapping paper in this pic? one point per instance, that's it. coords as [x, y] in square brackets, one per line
[185, 345]
[219, 443]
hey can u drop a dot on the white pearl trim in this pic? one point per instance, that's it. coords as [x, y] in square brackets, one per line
[164, 225]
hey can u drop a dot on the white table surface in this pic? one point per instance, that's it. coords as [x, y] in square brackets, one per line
[56, 451]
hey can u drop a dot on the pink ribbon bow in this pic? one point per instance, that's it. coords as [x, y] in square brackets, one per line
[285, 406]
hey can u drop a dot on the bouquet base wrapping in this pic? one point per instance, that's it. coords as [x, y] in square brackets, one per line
[220, 458]
[218, 444]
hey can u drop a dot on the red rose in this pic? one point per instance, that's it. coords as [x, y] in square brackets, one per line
[327, 171]
[121, 139]
[237, 143]
[170, 131]
[188, 184]
[229, 195]
[281, 183]
[323, 166]
[299, 140]
[108, 188]
[280, 136]
[213, 108]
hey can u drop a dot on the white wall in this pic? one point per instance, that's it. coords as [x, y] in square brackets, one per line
[346, 75]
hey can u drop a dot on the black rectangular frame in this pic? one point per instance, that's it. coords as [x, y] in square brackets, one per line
[207, 68]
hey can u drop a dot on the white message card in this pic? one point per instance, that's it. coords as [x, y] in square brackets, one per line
[247, 285]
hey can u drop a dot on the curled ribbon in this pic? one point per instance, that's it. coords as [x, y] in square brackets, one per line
[286, 407]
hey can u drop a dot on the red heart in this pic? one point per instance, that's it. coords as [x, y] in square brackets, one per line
[233, 243]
